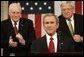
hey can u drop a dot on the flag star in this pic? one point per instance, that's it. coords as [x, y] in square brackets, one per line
[45, 3]
[31, 8]
[18, 3]
[40, 8]
[27, 3]
[22, 8]
[36, 7]
[36, 3]
[49, 7]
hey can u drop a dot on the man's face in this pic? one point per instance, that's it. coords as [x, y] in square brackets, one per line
[15, 14]
[67, 11]
[50, 25]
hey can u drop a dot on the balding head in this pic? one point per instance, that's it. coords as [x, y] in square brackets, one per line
[14, 6]
[15, 11]
[67, 9]
[68, 4]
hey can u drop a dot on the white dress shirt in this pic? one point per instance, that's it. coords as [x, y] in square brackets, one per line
[55, 40]
[16, 25]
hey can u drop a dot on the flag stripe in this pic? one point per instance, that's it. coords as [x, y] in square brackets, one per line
[78, 7]
[82, 8]
[57, 9]
[24, 15]
[38, 25]
[42, 27]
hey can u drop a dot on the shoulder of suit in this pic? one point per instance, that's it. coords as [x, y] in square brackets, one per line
[39, 39]
[25, 19]
[5, 21]
[78, 15]
[61, 17]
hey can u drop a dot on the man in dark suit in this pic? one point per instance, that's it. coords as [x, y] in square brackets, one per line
[67, 10]
[16, 38]
[61, 44]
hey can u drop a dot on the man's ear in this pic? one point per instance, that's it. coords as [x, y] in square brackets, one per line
[8, 15]
[57, 25]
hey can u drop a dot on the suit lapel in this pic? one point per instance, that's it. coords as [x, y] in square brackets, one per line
[21, 26]
[66, 26]
[60, 43]
[10, 28]
[75, 23]
[44, 43]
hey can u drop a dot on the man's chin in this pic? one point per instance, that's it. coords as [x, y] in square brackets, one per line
[16, 20]
[50, 33]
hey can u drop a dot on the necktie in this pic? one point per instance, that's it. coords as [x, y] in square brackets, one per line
[70, 27]
[51, 46]
[15, 28]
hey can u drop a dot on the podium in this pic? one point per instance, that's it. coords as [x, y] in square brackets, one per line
[57, 54]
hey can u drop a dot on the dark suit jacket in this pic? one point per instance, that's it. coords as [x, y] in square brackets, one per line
[40, 45]
[78, 23]
[25, 29]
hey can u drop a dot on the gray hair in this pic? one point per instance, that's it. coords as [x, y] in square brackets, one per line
[12, 5]
[70, 3]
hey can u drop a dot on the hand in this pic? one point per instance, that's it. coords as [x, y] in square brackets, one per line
[78, 38]
[20, 38]
[12, 43]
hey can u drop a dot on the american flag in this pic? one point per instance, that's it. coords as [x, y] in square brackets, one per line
[35, 10]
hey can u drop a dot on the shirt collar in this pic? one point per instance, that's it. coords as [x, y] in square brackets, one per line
[13, 22]
[53, 36]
